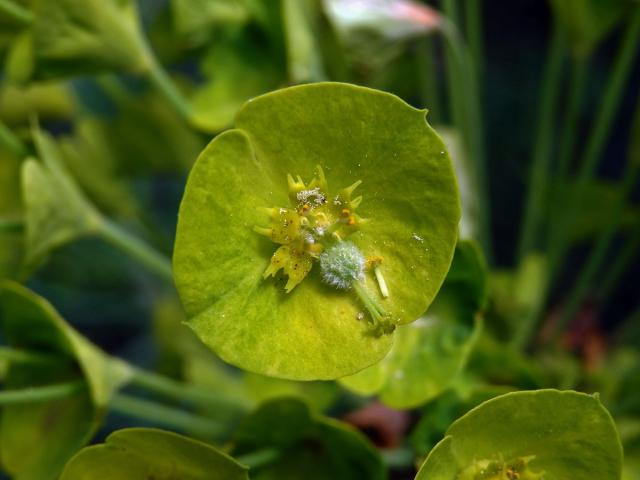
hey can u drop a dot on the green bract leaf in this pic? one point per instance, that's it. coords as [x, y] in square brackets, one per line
[406, 217]
[429, 354]
[304, 445]
[545, 434]
[57, 212]
[144, 454]
[87, 36]
[36, 439]
[587, 22]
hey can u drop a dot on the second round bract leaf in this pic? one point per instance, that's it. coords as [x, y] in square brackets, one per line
[306, 234]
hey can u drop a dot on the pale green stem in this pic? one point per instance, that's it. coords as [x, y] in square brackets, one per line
[179, 391]
[428, 79]
[11, 141]
[475, 38]
[24, 356]
[136, 248]
[568, 144]
[166, 416]
[465, 104]
[163, 83]
[540, 165]
[259, 458]
[597, 138]
[16, 11]
[40, 394]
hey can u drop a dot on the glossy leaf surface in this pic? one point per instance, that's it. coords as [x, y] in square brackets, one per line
[144, 453]
[409, 198]
[563, 434]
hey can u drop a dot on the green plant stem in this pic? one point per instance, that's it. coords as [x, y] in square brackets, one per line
[136, 248]
[428, 79]
[27, 357]
[597, 139]
[540, 165]
[164, 84]
[465, 106]
[11, 141]
[16, 11]
[167, 416]
[40, 394]
[577, 86]
[475, 39]
[179, 391]
[567, 145]
[259, 458]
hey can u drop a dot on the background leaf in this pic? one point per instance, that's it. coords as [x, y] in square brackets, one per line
[308, 446]
[144, 453]
[565, 434]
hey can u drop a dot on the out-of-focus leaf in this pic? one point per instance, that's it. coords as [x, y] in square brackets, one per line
[308, 446]
[146, 136]
[197, 19]
[11, 242]
[237, 71]
[587, 22]
[87, 36]
[36, 439]
[20, 63]
[431, 352]
[529, 434]
[598, 200]
[46, 100]
[56, 211]
[89, 158]
[145, 454]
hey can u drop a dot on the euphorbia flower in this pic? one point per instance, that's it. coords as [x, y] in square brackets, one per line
[306, 276]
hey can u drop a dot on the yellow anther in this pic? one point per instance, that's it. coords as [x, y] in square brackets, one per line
[374, 261]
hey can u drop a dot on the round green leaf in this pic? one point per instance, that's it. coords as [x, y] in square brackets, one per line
[409, 198]
[558, 434]
[430, 353]
[144, 454]
[37, 439]
[305, 445]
